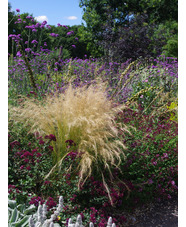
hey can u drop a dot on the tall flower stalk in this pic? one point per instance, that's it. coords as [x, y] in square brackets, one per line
[31, 75]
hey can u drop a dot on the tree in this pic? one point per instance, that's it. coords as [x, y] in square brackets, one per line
[133, 41]
[119, 13]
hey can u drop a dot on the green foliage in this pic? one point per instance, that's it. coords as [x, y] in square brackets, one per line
[170, 31]
[18, 215]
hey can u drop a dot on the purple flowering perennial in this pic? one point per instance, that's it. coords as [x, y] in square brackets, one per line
[27, 49]
[19, 54]
[29, 17]
[34, 41]
[54, 35]
[65, 26]
[70, 33]
[18, 10]
[44, 22]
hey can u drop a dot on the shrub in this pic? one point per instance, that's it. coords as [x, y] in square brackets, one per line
[152, 161]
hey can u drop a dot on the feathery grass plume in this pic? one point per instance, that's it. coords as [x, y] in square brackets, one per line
[84, 115]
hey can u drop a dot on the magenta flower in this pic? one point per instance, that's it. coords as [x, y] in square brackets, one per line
[18, 10]
[70, 142]
[27, 153]
[50, 147]
[28, 168]
[34, 150]
[154, 163]
[165, 155]
[51, 137]
[74, 46]
[38, 154]
[41, 142]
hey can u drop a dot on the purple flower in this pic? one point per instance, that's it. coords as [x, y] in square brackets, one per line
[34, 41]
[34, 30]
[18, 10]
[19, 54]
[37, 25]
[70, 33]
[48, 26]
[76, 38]
[27, 49]
[44, 22]
[29, 17]
[65, 26]
[54, 35]
[74, 46]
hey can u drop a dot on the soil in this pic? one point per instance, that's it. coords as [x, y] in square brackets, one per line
[156, 214]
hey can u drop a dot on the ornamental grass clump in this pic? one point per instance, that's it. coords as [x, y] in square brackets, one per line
[85, 116]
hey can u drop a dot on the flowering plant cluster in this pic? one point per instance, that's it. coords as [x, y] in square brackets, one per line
[149, 167]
